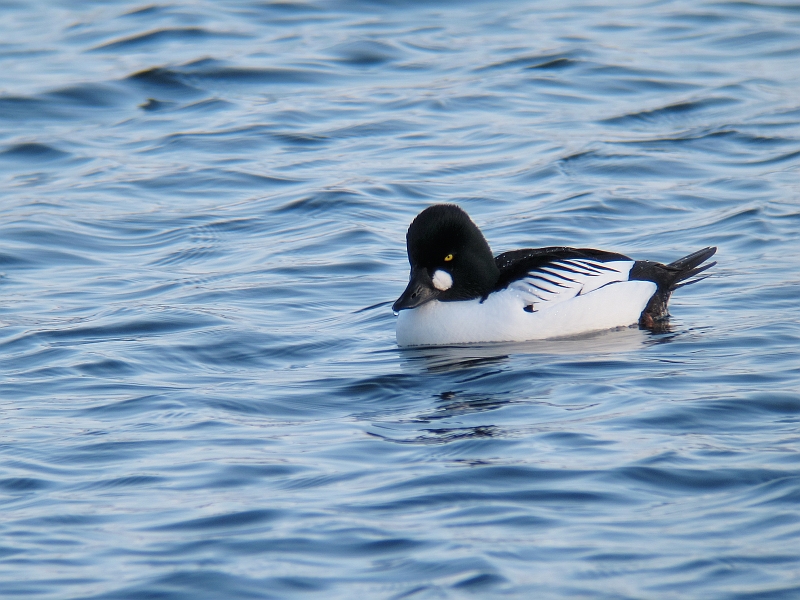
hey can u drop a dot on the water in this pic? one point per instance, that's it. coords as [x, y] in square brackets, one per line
[201, 232]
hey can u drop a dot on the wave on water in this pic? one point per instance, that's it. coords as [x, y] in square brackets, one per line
[203, 230]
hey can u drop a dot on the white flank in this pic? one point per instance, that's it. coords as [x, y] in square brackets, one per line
[442, 280]
[596, 299]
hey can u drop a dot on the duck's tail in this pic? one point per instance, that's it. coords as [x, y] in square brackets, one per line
[669, 278]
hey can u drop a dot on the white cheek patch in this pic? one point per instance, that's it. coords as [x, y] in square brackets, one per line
[442, 280]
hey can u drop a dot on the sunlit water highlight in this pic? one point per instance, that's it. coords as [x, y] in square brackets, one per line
[201, 233]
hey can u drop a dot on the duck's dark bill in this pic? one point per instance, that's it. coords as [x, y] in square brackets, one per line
[419, 291]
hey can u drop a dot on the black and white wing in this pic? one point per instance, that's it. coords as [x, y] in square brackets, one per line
[546, 277]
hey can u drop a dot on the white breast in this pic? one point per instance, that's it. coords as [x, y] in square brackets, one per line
[502, 318]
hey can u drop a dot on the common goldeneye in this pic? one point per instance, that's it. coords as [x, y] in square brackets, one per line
[458, 293]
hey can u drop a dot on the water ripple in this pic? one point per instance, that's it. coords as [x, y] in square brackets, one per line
[202, 233]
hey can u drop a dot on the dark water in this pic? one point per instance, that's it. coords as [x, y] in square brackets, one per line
[202, 218]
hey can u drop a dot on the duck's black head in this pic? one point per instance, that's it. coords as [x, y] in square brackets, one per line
[450, 259]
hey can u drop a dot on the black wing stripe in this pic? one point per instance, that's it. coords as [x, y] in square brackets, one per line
[541, 290]
[532, 285]
[555, 272]
[564, 266]
[597, 266]
[545, 279]
[586, 267]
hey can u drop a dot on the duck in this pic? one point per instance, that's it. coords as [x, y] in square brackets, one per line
[460, 293]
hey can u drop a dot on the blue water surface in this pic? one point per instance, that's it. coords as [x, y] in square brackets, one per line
[202, 217]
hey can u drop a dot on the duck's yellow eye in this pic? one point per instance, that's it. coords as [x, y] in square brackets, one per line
[448, 258]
